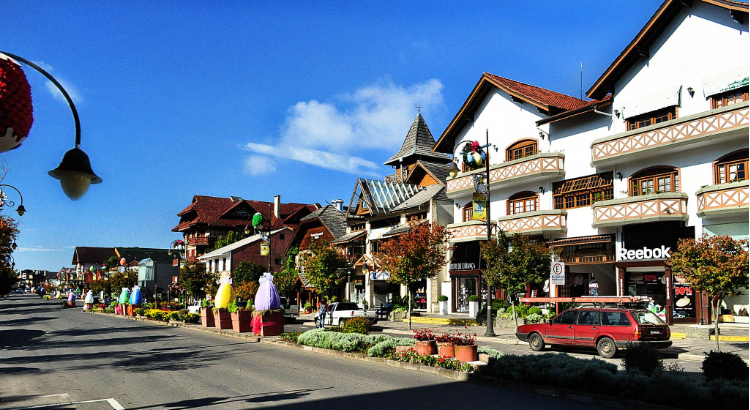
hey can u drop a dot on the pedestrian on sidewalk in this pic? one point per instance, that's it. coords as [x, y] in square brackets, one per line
[322, 308]
[593, 287]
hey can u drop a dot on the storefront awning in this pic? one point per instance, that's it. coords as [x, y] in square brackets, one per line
[580, 240]
[727, 81]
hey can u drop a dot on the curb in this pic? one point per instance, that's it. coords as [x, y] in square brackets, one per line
[478, 378]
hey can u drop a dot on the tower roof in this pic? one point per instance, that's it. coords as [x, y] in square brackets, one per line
[418, 144]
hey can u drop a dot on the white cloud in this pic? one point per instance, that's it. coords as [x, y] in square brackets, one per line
[256, 165]
[72, 90]
[38, 249]
[329, 134]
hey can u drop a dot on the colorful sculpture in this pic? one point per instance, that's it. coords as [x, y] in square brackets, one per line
[16, 111]
[136, 297]
[267, 297]
[124, 296]
[224, 296]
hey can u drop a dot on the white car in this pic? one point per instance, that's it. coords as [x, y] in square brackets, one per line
[338, 313]
[195, 307]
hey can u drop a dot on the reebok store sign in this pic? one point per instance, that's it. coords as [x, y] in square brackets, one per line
[645, 253]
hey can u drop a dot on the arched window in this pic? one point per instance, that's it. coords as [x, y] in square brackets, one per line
[468, 212]
[521, 149]
[654, 180]
[521, 202]
[731, 167]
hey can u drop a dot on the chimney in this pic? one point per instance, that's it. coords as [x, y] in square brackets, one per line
[277, 205]
[338, 204]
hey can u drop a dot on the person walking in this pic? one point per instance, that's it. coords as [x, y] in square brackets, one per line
[593, 287]
[322, 307]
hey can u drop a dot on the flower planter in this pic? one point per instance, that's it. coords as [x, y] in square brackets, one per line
[402, 349]
[473, 309]
[741, 319]
[426, 347]
[71, 303]
[445, 349]
[222, 319]
[726, 318]
[207, 317]
[241, 321]
[269, 324]
[132, 308]
[443, 307]
[466, 353]
[88, 306]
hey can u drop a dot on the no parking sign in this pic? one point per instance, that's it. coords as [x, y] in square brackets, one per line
[557, 274]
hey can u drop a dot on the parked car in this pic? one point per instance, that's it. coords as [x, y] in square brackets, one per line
[338, 313]
[290, 313]
[606, 329]
[195, 307]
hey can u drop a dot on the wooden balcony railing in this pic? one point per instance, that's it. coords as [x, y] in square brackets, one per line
[197, 241]
[641, 209]
[535, 223]
[678, 132]
[468, 231]
[542, 165]
[723, 199]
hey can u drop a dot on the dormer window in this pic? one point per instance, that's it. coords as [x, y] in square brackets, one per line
[241, 212]
[521, 149]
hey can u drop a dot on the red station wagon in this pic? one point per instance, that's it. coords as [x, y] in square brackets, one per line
[606, 329]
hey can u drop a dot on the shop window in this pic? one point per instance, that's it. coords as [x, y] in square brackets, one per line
[580, 192]
[521, 149]
[735, 96]
[654, 180]
[468, 212]
[651, 118]
[731, 167]
[523, 202]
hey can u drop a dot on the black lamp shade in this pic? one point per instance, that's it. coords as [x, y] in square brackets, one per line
[77, 161]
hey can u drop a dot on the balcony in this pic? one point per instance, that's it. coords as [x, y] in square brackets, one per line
[468, 231]
[727, 123]
[535, 223]
[539, 166]
[641, 209]
[196, 241]
[723, 200]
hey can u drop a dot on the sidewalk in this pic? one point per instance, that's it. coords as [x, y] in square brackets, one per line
[682, 349]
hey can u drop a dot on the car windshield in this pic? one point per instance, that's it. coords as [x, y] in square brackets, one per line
[645, 317]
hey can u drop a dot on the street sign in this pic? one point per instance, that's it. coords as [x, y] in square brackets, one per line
[557, 274]
[264, 248]
[479, 207]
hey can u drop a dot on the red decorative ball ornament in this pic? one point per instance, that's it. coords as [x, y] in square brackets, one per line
[474, 146]
[16, 112]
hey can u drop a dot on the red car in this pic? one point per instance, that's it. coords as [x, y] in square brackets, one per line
[606, 329]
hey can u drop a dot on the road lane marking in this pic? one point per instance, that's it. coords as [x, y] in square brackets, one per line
[111, 401]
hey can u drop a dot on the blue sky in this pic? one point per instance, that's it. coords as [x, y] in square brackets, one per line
[256, 99]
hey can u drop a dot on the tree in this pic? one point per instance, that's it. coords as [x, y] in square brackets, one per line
[196, 280]
[321, 268]
[101, 285]
[716, 265]
[246, 290]
[513, 264]
[120, 280]
[287, 276]
[8, 235]
[247, 272]
[417, 254]
[112, 263]
[231, 238]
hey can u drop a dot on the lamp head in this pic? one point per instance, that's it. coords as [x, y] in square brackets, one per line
[453, 169]
[75, 174]
[21, 210]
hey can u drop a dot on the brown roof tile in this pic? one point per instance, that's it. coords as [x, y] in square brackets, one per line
[537, 94]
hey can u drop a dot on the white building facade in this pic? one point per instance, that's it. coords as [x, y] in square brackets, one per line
[659, 154]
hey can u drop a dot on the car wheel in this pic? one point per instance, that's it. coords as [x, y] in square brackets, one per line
[606, 348]
[536, 343]
[341, 322]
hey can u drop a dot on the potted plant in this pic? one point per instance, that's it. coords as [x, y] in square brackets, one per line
[207, 315]
[425, 342]
[222, 318]
[308, 307]
[241, 317]
[443, 302]
[465, 347]
[445, 345]
[268, 322]
[473, 305]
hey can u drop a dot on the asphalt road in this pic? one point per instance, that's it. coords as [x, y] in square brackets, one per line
[63, 359]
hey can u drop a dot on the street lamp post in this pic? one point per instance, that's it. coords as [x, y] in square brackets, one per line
[4, 200]
[453, 170]
[74, 172]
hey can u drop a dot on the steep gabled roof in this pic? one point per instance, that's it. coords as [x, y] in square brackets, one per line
[236, 245]
[547, 101]
[333, 219]
[590, 106]
[418, 144]
[639, 46]
[439, 172]
[139, 254]
[213, 211]
[387, 195]
[94, 254]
